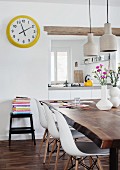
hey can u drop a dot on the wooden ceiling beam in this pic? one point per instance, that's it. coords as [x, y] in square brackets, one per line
[59, 30]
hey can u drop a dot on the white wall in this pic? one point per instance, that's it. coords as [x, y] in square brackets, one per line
[25, 71]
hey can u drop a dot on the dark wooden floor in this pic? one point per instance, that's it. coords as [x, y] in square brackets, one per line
[23, 155]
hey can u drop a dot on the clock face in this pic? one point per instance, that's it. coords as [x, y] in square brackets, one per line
[23, 31]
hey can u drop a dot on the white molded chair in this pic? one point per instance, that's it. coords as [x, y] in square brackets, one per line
[53, 130]
[78, 150]
[44, 124]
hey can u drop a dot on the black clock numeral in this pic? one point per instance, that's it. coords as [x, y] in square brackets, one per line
[34, 31]
[33, 26]
[13, 36]
[18, 40]
[15, 26]
[28, 22]
[33, 36]
[23, 21]
[12, 31]
[23, 41]
[28, 40]
[19, 22]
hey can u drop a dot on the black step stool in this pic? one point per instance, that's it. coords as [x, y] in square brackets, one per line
[21, 130]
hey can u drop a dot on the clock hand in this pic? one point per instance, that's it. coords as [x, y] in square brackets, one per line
[25, 30]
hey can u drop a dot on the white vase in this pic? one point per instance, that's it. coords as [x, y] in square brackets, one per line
[114, 96]
[104, 103]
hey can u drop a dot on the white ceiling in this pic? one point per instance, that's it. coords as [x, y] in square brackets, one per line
[95, 2]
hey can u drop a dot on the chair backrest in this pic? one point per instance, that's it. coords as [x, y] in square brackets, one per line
[52, 128]
[42, 115]
[66, 138]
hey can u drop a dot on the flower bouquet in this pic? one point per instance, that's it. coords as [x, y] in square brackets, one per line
[101, 74]
[114, 77]
[114, 90]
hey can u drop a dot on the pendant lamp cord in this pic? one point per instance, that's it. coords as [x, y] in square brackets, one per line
[89, 16]
[107, 11]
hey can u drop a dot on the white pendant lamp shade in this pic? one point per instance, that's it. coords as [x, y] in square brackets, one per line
[90, 48]
[108, 42]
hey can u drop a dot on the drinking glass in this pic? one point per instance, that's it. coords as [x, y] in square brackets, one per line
[77, 100]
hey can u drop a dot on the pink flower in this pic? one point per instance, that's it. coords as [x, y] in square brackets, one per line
[98, 70]
[103, 77]
[101, 65]
[104, 72]
[97, 67]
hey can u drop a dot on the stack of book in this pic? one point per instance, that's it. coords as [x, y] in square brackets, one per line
[21, 105]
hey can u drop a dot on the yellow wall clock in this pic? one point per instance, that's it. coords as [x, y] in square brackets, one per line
[23, 31]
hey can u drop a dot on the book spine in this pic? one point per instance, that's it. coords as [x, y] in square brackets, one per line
[21, 112]
[21, 103]
[20, 106]
[21, 100]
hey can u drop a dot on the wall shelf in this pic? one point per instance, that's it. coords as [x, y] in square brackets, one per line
[97, 59]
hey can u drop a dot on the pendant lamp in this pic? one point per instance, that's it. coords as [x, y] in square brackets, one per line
[108, 41]
[90, 48]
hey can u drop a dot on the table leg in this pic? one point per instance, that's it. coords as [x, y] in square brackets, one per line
[113, 159]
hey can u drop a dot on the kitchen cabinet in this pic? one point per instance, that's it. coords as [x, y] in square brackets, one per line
[83, 94]
[69, 93]
[95, 93]
[59, 94]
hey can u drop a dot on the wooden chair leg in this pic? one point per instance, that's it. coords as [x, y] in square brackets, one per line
[53, 146]
[67, 164]
[41, 144]
[84, 163]
[99, 164]
[57, 155]
[46, 147]
[76, 164]
[71, 160]
[90, 161]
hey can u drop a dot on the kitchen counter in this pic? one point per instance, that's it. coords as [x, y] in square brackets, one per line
[75, 88]
[58, 92]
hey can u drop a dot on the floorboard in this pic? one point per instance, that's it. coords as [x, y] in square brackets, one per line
[23, 155]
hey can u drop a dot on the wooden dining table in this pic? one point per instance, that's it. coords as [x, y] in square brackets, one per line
[102, 127]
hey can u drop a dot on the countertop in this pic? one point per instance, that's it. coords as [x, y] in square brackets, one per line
[57, 87]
